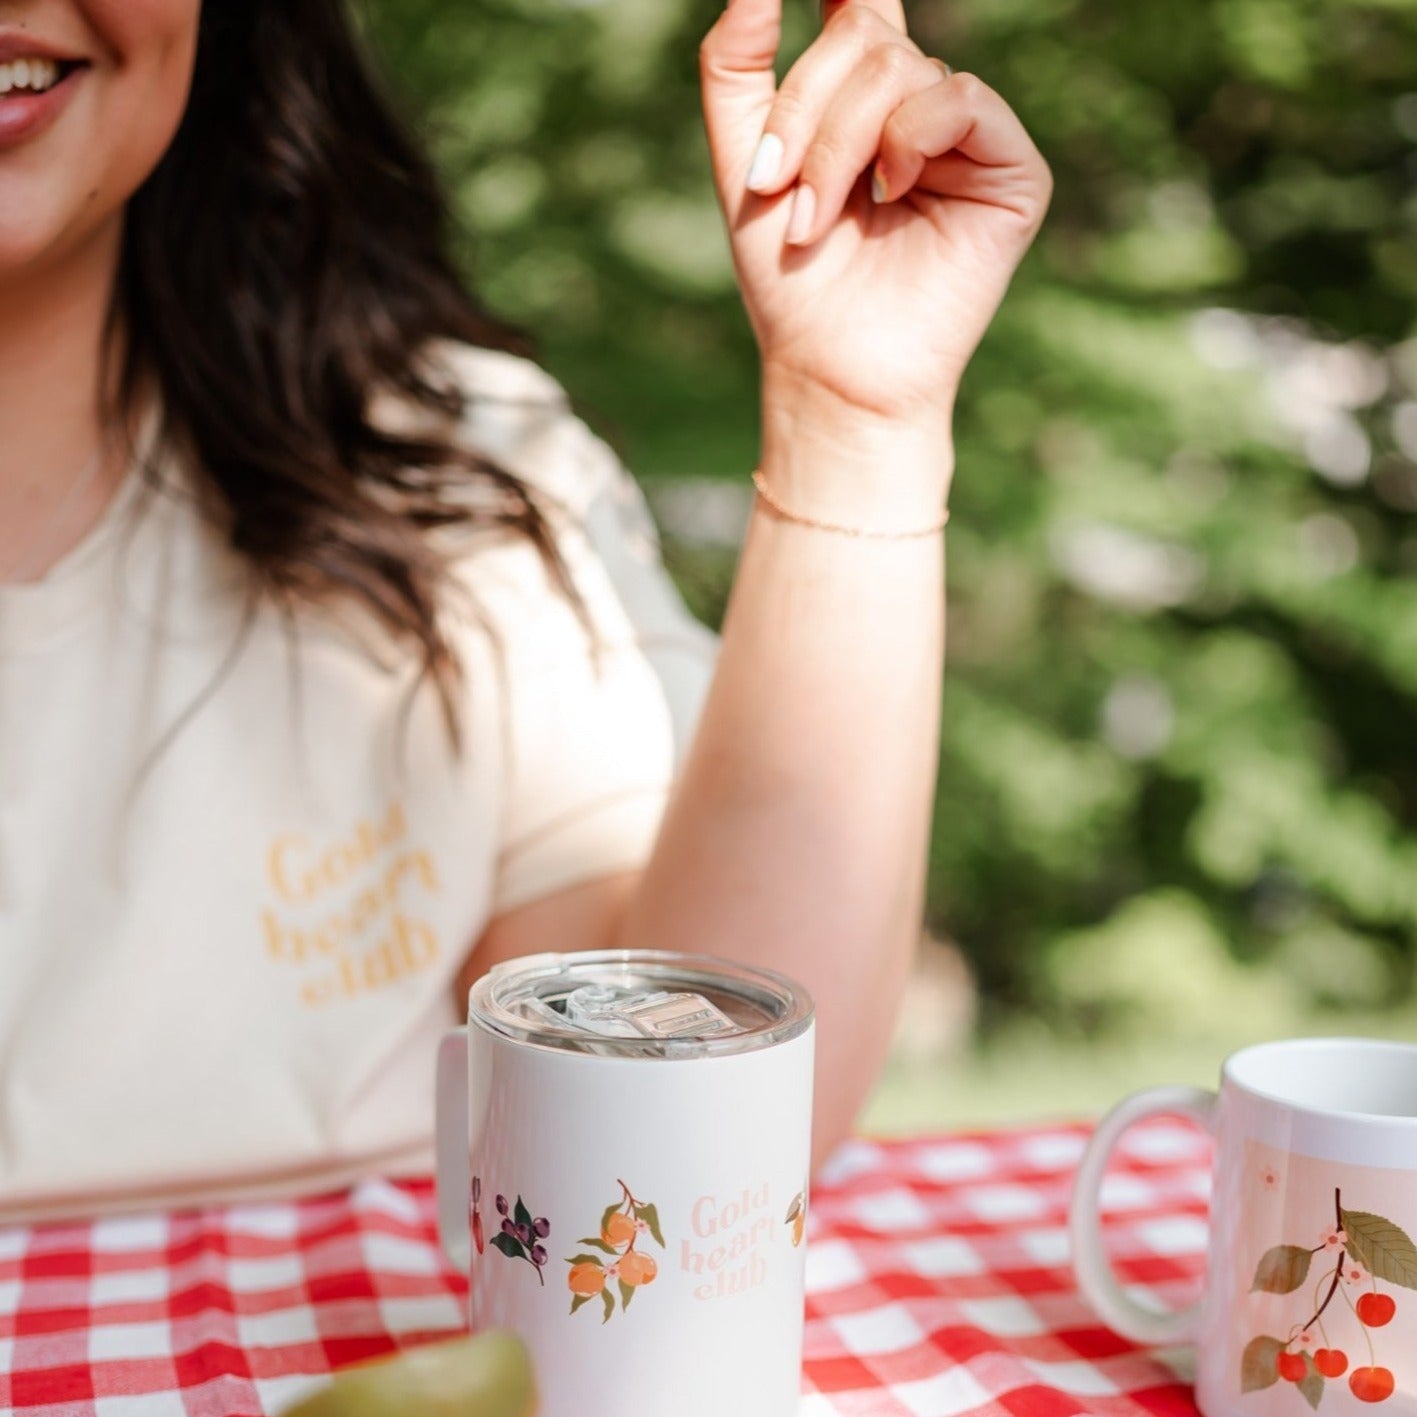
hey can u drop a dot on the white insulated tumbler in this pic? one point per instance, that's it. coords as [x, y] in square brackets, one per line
[623, 1148]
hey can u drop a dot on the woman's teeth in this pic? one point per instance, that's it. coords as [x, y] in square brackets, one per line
[28, 75]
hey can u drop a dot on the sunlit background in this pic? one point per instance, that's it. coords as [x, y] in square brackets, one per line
[1177, 804]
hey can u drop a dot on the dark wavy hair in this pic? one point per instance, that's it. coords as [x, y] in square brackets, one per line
[285, 260]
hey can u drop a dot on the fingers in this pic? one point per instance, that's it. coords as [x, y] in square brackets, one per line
[809, 88]
[891, 11]
[740, 93]
[829, 151]
[738, 83]
[959, 138]
[862, 91]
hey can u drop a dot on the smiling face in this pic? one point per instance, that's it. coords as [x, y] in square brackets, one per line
[91, 93]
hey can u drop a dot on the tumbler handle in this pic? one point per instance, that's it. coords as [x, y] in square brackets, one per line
[454, 1168]
[1099, 1286]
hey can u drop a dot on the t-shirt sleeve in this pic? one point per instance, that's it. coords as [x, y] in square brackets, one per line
[592, 731]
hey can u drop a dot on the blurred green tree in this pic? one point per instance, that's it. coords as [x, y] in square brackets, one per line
[1181, 704]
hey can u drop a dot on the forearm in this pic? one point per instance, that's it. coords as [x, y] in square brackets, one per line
[797, 834]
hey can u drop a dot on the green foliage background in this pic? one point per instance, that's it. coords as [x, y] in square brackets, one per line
[1178, 763]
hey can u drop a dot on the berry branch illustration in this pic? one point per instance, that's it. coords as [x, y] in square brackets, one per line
[1369, 1249]
[624, 1224]
[521, 1234]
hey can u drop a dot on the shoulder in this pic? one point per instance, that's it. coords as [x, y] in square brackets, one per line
[520, 415]
[497, 375]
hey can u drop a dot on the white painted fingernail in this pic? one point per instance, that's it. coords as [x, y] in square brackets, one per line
[804, 207]
[766, 161]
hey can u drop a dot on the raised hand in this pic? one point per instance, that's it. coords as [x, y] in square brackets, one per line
[879, 303]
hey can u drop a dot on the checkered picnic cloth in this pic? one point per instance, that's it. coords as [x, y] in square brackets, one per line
[937, 1277]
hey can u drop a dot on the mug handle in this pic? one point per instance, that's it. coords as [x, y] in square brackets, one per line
[1099, 1286]
[454, 1168]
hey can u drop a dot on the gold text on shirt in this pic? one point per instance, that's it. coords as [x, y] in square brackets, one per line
[345, 913]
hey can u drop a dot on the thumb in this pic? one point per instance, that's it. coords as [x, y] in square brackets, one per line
[736, 74]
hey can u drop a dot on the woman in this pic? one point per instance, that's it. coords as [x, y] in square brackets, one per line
[318, 697]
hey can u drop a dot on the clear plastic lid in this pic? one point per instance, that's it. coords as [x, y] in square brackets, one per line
[640, 1004]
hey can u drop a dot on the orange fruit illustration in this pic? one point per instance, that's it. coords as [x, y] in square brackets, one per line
[586, 1279]
[636, 1269]
[619, 1229]
[797, 1218]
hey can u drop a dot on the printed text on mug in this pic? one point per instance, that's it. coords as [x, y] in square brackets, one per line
[734, 1231]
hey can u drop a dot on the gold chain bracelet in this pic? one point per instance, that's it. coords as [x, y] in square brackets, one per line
[761, 484]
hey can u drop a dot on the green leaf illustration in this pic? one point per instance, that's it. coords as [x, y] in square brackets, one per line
[1382, 1248]
[598, 1244]
[650, 1216]
[609, 1299]
[522, 1215]
[584, 1259]
[509, 1245]
[578, 1300]
[609, 1211]
[1259, 1363]
[1312, 1385]
[1282, 1270]
[627, 1292]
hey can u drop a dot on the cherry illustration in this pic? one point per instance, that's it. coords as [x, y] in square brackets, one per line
[1305, 1358]
[1331, 1362]
[1371, 1384]
[1375, 1310]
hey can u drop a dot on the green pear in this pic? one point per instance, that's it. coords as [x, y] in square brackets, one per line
[486, 1376]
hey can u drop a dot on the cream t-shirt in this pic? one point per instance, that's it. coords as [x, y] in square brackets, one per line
[237, 878]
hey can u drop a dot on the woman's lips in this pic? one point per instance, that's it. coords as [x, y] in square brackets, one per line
[22, 115]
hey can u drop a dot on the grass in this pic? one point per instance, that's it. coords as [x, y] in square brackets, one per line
[1026, 1073]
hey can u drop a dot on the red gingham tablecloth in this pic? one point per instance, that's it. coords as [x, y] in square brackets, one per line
[937, 1277]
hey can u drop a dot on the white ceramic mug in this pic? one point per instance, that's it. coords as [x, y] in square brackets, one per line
[1310, 1298]
[623, 1149]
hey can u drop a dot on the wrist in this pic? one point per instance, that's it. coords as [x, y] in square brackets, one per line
[827, 459]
